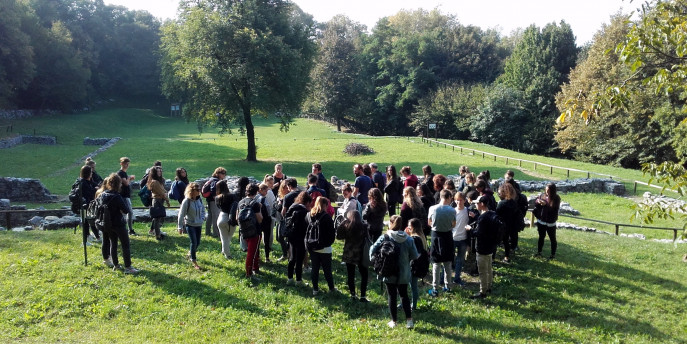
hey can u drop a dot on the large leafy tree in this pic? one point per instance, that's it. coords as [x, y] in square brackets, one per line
[337, 75]
[230, 60]
[17, 67]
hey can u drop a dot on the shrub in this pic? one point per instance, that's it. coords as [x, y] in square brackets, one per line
[357, 149]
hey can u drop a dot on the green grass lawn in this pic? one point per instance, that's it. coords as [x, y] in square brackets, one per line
[600, 289]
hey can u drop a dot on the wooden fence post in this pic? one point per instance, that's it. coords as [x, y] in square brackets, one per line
[568, 174]
[617, 229]
[635, 192]
[551, 169]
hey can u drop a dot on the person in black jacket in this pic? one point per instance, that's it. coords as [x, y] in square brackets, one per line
[88, 194]
[296, 216]
[508, 211]
[374, 213]
[322, 227]
[546, 210]
[109, 191]
[486, 230]
[393, 189]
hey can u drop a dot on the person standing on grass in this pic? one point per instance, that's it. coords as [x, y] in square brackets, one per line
[486, 232]
[209, 192]
[484, 191]
[144, 180]
[362, 185]
[439, 181]
[271, 201]
[125, 192]
[353, 231]
[546, 210]
[377, 177]
[428, 177]
[266, 224]
[178, 187]
[349, 202]
[412, 207]
[253, 243]
[442, 219]
[192, 217]
[508, 211]
[95, 177]
[281, 239]
[410, 179]
[225, 202]
[468, 183]
[421, 263]
[321, 227]
[296, 216]
[321, 180]
[88, 188]
[156, 185]
[460, 236]
[278, 176]
[398, 285]
[109, 192]
[241, 186]
[393, 189]
[463, 171]
[374, 213]
[428, 201]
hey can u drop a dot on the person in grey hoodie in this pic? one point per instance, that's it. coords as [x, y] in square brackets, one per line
[398, 285]
[192, 217]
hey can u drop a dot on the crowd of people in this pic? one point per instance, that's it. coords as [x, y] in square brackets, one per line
[444, 227]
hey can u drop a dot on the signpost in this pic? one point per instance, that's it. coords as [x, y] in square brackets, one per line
[431, 126]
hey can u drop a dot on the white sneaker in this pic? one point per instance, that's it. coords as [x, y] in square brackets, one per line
[108, 262]
[410, 323]
[391, 324]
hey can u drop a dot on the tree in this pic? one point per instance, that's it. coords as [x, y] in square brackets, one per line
[229, 60]
[338, 69]
[16, 53]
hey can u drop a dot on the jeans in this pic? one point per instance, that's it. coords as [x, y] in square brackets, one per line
[211, 220]
[130, 215]
[109, 247]
[226, 233]
[462, 247]
[194, 235]
[436, 272]
[543, 231]
[296, 257]
[486, 273]
[252, 255]
[267, 236]
[282, 239]
[394, 290]
[350, 269]
[415, 291]
[323, 260]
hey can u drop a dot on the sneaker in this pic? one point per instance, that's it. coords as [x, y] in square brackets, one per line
[301, 284]
[506, 260]
[281, 258]
[131, 270]
[98, 240]
[552, 257]
[333, 290]
[290, 281]
[410, 323]
[253, 279]
[132, 233]
[433, 292]
[538, 255]
[116, 267]
[446, 289]
[315, 292]
[151, 232]
[108, 262]
[307, 270]
[391, 324]
[478, 296]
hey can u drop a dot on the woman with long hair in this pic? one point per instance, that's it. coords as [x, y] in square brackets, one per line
[374, 213]
[88, 189]
[109, 191]
[349, 202]
[156, 185]
[178, 188]
[439, 181]
[321, 253]
[546, 210]
[393, 189]
[428, 177]
[353, 231]
[297, 217]
[283, 191]
[412, 207]
[398, 285]
[507, 210]
[95, 177]
[192, 217]
[416, 232]
[225, 201]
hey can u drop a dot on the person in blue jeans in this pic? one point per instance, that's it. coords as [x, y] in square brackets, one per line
[460, 236]
[192, 217]
[415, 231]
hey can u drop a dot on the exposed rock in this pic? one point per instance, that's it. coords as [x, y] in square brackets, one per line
[23, 139]
[36, 221]
[88, 141]
[4, 204]
[24, 190]
[54, 222]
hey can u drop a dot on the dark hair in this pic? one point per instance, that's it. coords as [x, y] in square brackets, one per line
[222, 187]
[242, 183]
[446, 194]
[292, 182]
[303, 198]
[317, 166]
[179, 177]
[157, 163]
[85, 172]
[484, 175]
[426, 170]
[405, 169]
[155, 174]
[554, 199]
[312, 179]
[481, 184]
[376, 199]
[439, 181]
[510, 173]
[424, 188]
[347, 187]
[252, 190]
[367, 170]
[391, 173]
[449, 184]
[472, 195]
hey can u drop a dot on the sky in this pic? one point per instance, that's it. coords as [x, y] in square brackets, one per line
[584, 16]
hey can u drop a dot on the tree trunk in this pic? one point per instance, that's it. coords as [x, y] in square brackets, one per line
[250, 133]
[338, 124]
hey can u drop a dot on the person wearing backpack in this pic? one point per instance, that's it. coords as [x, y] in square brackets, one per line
[87, 189]
[402, 250]
[354, 231]
[192, 217]
[460, 236]
[318, 241]
[124, 163]
[486, 231]
[419, 267]
[109, 194]
[225, 201]
[178, 188]
[95, 177]
[250, 217]
[546, 209]
[374, 213]
[209, 192]
[295, 228]
[321, 180]
[442, 219]
[316, 192]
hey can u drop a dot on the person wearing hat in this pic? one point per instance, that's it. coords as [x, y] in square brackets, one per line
[486, 230]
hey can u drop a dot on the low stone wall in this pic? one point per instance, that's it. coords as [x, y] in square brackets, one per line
[16, 114]
[23, 139]
[87, 141]
[593, 185]
[24, 190]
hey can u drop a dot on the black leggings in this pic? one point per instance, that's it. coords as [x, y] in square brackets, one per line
[350, 268]
[267, 236]
[282, 239]
[90, 225]
[510, 241]
[551, 231]
[402, 290]
[392, 208]
[323, 260]
[109, 247]
[296, 260]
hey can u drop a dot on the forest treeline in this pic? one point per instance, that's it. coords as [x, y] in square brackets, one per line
[410, 69]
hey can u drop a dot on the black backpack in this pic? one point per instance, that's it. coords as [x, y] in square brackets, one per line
[385, 260]
[100, 211]
[76, 197]
[289, 226]
[332, 194]
[312, 235]
[420, 266]
[248, 223]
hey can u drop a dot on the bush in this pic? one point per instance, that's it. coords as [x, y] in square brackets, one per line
[357, 149]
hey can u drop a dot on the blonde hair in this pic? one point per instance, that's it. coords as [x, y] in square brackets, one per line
[283, 189]
[189, 188]
[124, 160]
[410, 198]
[508, 191]
[263, 187]
[321, 204]
[218, 171]
[112, 182]
[90, 162]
